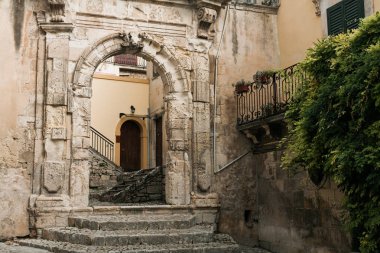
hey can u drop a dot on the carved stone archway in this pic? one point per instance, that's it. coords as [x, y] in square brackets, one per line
[178, 100]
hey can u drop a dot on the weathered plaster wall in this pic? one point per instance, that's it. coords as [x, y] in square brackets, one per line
[18, 55]
[250, 44]
[260, 204]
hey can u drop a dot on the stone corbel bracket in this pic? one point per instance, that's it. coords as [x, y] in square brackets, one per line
[206, 19]
[317, 7]
[57, 10]
[130, 44]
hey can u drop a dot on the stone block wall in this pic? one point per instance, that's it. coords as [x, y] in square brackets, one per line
[153, 190]
[280, 212]
[137, 187]
[103, 174]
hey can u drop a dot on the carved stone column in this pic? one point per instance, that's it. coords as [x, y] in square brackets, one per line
[178, 171]
[201, 132]
[54, 189]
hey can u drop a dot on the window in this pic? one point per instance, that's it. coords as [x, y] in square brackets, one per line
[344, 16]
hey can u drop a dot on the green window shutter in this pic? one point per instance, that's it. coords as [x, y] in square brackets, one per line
[335, 19]
[353, 12]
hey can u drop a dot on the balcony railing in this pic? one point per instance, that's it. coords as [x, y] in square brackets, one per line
[127, 60]
[268, 94]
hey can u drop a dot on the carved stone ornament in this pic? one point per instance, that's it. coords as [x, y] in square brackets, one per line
[132, 44]
[206, 19]
[57, 10]
[213, 4]
[204, 182]
[317, 7]
[53, 176]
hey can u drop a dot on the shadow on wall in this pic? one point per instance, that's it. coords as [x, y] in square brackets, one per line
[281, 213]
[18, 9]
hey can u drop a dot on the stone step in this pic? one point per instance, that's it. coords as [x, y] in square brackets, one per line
[222, 245]
[196, 234]
[133, 222]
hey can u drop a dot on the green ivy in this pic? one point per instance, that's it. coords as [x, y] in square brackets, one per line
[334, 123]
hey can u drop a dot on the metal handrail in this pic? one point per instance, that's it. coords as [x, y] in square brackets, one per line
[102, 144]
[268, 94]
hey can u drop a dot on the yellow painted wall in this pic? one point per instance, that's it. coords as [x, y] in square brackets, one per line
[377, 5]
[111, 97]
[298, 28]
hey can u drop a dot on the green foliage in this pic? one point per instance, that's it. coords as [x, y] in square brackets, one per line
[334, 123]
[242, 82]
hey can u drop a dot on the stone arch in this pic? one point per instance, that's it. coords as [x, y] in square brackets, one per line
[144, 139]
[179, 104]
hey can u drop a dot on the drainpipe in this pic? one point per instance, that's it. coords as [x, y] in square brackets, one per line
[215, 90]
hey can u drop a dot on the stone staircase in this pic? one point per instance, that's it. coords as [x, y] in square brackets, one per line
[137, 233]
[137, 187]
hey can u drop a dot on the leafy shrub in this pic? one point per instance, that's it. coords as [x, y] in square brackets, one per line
[334, 123]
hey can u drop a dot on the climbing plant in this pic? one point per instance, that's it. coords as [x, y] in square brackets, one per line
[334, 124]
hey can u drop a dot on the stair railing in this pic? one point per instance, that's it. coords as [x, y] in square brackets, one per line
[102, 144]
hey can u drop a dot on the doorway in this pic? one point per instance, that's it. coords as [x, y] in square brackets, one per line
[130, 146]
[174, 82]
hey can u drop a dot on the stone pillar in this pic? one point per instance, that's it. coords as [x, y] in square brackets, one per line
[54, 189]
[201, 132]
[178, 171]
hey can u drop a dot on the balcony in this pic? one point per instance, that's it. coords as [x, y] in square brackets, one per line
[125, 65]
[261, 104]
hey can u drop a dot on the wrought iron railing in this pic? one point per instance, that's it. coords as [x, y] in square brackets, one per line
[274, 3]
[102, 144]
[268, 94]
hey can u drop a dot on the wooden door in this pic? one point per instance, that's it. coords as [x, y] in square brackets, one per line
[159, 141]
[130, 146]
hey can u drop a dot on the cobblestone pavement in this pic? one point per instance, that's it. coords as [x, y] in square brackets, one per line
[10, 247]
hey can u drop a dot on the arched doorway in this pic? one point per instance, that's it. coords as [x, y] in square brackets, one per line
[130, 146]
[178, 100]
